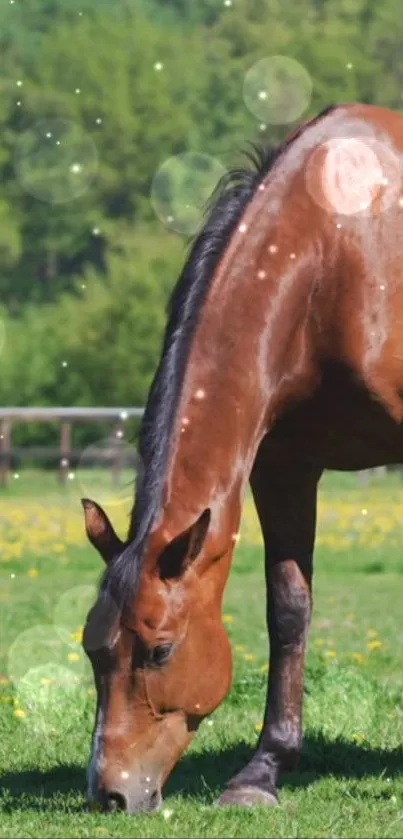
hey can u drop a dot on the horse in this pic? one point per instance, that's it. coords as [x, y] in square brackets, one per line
[282, 357]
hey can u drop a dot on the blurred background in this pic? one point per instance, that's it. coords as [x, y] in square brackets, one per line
[117, 119]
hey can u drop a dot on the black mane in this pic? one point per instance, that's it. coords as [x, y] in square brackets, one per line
[225, 208]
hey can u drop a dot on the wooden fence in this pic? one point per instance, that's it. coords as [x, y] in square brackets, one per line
[66, 417]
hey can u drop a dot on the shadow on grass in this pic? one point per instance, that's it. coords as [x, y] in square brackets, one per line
[203, 775]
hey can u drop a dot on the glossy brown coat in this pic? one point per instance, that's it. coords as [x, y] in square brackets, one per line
[295, 365]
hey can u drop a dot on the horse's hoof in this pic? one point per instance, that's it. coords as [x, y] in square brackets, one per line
[246, 797]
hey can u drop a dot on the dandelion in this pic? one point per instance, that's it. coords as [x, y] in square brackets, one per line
[264, 668]
[358, 738]
[228, 618]
[73, 657]
[358, 657]
[33, 572]
[374, 645]
[249, 657]
[46, 681]
[330, 654]
[19, 713]
[259, 726]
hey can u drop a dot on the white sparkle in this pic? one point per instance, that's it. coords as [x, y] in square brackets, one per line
[19, 104]
[209, 722]
[76, 168]
[236, 537]
[261, 187]
[16, 475]
[262, 126]
[119, 433]
[80, 14]
[148, 780]
[384, 181]
[338, 225]
[58, 142]
[197, 705]
[292, 255]
[243, 228]
[262, 94]
[96, 231]
[64, 363]
[400, 202]
[19, 83]
[78, 90]
[170, 219]
[49, 134]
[273, 248]
[123, 415]
[146, 789]
[158, 66]
[261, 275]
[382, 287]
[227, 2]
[83, 285]
[185, 421]
[98, 121]
[12, 576]
[363, 205]
[167, 814]
[364, 511]
[64, 462]
[11, 2]
[71, 476]
[349, 66]
[200, 393]
[124, 775]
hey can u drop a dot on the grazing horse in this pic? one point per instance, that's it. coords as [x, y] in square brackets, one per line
[283, 356]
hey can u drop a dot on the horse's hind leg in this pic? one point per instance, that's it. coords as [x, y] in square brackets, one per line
[286, 505]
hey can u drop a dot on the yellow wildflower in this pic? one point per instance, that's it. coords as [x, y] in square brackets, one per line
[249, 657]
[374, 645]
[227, 618]
[33, 572]
[19, 713]
[358, 657]
[330, 654]
[73, 657]
[259, 726]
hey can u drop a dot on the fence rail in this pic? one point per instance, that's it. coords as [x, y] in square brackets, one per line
[66, 417]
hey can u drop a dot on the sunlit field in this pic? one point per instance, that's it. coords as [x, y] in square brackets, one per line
[350, 777]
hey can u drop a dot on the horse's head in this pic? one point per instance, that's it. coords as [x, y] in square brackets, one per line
[161, 663]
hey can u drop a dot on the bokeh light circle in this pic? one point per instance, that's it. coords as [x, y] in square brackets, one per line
[41, 646]
[51, 699]
[71, 611]
[55, 160]
[181, 189]
[277, 90]
[350, 175]
[106, 471]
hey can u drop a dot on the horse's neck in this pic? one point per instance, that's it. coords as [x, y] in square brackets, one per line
[237, 357]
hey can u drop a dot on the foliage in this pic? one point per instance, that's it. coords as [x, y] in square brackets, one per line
[137, 82]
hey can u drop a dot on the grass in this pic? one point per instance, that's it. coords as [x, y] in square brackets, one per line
[350, 778]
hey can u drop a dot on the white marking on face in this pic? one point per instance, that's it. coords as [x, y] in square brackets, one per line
[96, 761]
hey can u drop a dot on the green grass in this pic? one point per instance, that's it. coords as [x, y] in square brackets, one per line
[350, 777]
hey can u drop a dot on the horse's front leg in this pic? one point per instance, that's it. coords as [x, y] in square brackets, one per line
[286, 505]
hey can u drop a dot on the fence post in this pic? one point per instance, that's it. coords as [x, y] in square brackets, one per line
[5, 450]
[65, 450]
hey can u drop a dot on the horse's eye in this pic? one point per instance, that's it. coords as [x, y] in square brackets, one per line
[158, 655]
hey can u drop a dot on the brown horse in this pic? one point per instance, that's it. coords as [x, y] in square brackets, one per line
[283, 356]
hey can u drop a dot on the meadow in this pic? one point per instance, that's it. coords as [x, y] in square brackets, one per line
[349, 781]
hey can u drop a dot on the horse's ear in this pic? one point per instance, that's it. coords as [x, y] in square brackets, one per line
[185, 548]
[100, 531]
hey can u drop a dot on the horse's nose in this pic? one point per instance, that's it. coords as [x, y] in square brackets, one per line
[115, 801]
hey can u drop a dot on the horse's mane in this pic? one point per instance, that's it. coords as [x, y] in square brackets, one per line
[228, 203]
